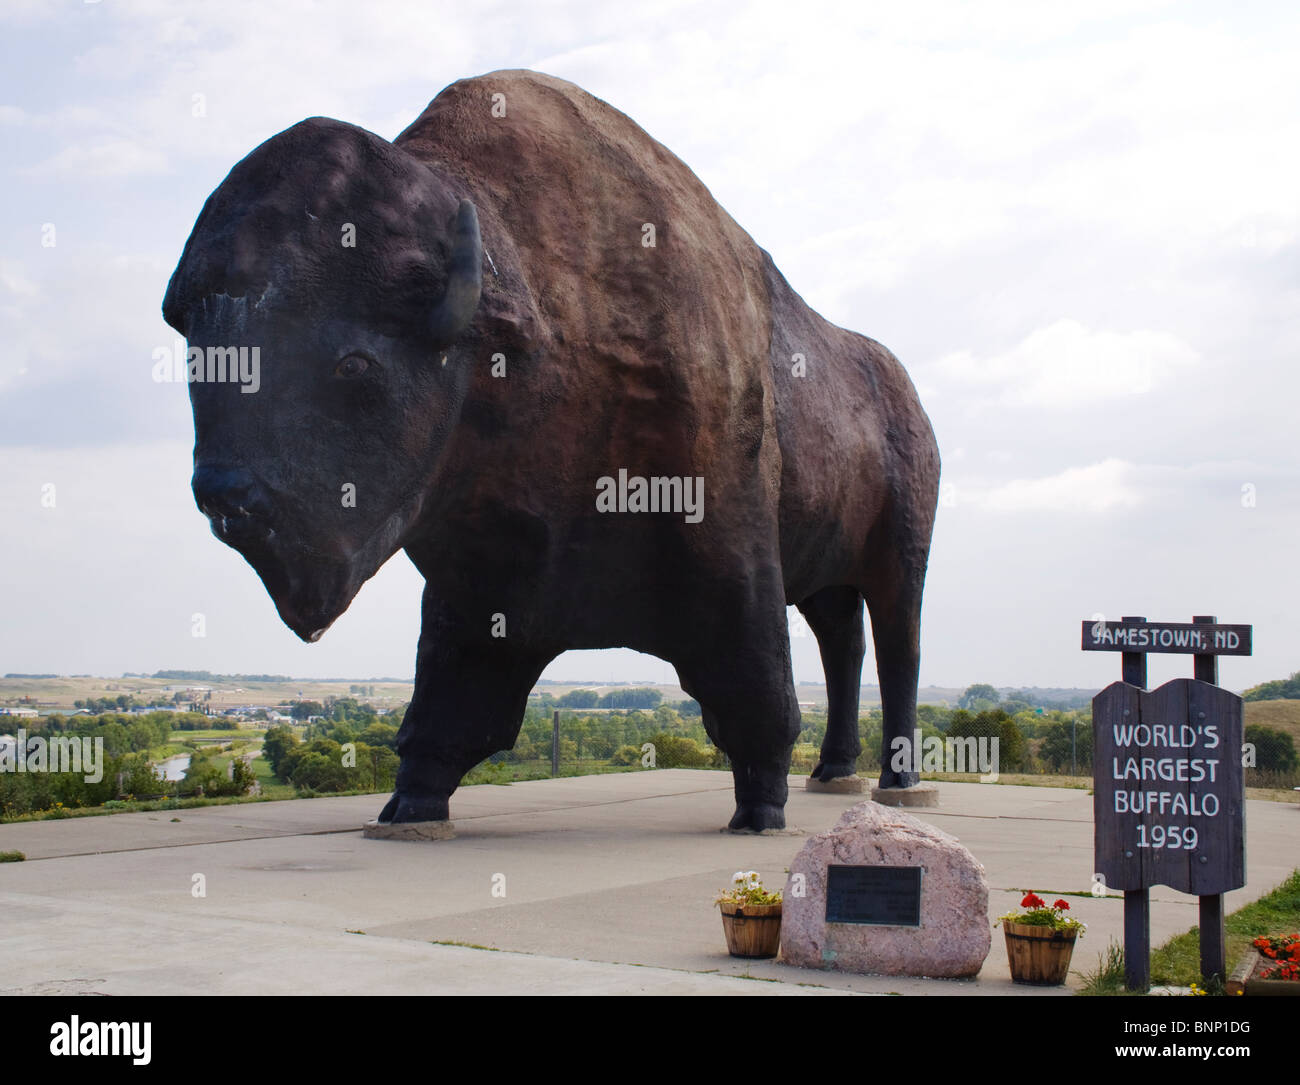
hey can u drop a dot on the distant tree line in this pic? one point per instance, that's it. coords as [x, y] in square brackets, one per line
[637, 697]
[1280, 689]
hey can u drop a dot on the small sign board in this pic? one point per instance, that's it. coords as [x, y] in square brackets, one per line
[1168, 801]
[1183, 638]
[888, 896]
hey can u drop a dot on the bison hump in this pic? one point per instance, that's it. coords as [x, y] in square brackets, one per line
[619, 239]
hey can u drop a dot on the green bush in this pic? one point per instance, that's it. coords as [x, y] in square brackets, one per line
[626, 755]
[1055, 748]
[1274, 749]
[677, 752]
[1013, 753]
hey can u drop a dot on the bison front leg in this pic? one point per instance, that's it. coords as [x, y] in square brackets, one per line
[470, 696]
[745, 687]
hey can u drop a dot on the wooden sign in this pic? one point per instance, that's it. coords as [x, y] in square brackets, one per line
[1169, 787]
[887, 896]
[1183, 638]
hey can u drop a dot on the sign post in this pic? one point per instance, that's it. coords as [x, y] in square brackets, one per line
[1169, 800]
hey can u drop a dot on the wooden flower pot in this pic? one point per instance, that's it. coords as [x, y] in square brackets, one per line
[1039, 955]
[752, 930]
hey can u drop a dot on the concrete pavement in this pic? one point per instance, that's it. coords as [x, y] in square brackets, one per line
[595, 885]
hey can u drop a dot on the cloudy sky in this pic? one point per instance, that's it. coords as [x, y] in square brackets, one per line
[1076, 224]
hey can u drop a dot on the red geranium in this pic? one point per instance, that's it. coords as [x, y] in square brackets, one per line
[1032, 901]
[1063, 905]
[1283, 948]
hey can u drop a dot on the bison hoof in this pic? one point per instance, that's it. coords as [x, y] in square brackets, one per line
[832, 770]
[403, 808]
[757, 816]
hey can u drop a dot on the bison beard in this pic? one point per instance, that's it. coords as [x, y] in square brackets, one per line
[538, 296]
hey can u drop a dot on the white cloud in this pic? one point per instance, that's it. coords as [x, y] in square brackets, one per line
[110, 158]
[1096, 488]
[1067, 365]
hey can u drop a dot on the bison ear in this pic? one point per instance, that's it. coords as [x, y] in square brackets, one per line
[451, 316]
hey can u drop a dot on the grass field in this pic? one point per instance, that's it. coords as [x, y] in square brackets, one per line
[1282, 715]
[1177, 963]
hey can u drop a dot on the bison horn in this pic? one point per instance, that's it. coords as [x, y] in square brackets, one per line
[451, 316]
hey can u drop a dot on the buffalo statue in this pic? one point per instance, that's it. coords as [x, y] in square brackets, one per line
[524, 344]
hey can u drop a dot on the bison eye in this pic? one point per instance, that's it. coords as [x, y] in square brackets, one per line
[352, 366]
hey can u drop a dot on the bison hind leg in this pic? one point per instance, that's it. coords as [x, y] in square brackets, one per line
[834, 614]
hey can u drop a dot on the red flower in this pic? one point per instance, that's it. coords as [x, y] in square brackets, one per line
[1032, 901]
[1063, 905]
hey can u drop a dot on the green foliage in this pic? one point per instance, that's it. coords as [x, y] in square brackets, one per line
[1013, 752]
[303, 710]
[12, 857]
[978, 697]
[196, 721]
[641, 697]
[579, 698]
[626, 755]
[1055, 748]
[324, 765]
[350, 710]
[1274, 749]
[747, 888]
[1108, 977]
[933, 715]
[276, 745]
[138, 776]
[487, 772]
[677, 752]
[380, 734]
[211, 775]
[1280, 689]
[27, 793]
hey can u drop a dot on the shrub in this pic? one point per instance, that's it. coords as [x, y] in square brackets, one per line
[677, 752]
[626, 755]
[1274, 749]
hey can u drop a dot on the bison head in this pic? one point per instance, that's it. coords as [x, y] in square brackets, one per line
[327, 293]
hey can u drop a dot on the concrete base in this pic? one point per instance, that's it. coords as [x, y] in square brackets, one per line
[622, 867]
[841, 785]
[762, 832]
[920, 795]
[409, 830]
